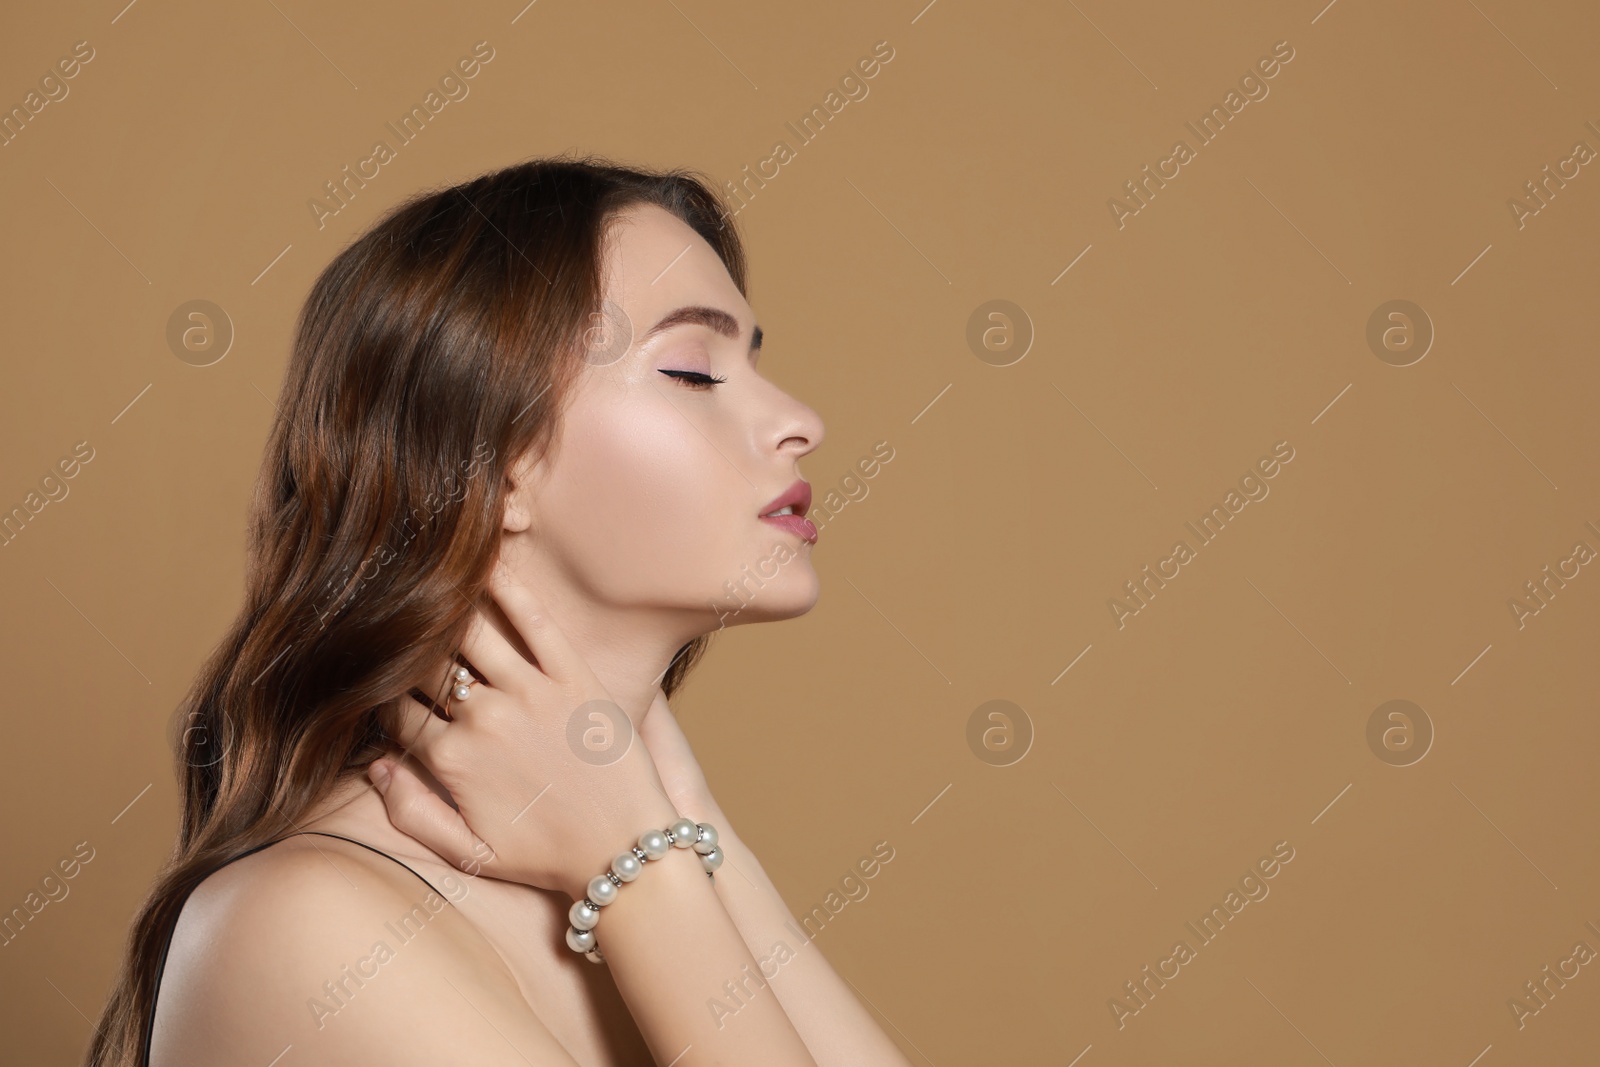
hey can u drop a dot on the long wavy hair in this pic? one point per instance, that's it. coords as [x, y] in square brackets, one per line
[436, 350]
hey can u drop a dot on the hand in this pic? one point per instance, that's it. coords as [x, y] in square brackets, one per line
[529, 808]
[416, 808]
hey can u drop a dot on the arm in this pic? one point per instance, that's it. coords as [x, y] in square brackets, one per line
[837, 1029]
[672, 949]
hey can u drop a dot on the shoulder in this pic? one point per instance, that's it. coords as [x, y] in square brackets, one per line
[317, 944]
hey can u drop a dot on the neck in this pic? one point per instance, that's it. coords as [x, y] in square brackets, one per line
[627, 649]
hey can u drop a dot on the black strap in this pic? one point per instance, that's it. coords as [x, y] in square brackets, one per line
[369, 848]
[161, 967]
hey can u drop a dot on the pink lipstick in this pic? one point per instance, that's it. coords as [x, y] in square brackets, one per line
[793, 502]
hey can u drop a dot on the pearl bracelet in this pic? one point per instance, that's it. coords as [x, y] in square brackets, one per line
[653, 844]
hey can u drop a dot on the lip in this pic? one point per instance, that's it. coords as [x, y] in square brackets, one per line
[798, 495]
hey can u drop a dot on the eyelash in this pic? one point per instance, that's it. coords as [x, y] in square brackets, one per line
[694, 378]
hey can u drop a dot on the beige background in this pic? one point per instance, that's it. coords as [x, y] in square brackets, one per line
[1230, 314]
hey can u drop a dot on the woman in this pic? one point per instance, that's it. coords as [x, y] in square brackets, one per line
[520, 471]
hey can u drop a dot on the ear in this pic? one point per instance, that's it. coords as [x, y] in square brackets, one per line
[523, 475]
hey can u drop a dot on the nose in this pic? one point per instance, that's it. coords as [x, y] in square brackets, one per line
[796, 429]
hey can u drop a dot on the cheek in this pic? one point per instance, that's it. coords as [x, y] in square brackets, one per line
[645, 501]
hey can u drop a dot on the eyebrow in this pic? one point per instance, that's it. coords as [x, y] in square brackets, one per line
[699, 315]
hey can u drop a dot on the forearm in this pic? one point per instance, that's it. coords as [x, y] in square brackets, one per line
[837, 1028]
[674, 952]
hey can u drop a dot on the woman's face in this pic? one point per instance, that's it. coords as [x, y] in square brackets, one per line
[652, 495]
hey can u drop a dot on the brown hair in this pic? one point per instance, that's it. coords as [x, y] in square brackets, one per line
[434, 351]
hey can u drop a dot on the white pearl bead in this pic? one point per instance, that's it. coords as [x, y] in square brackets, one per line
[582, 916]
[580, 940]
[462, 692]
[683, 833]
[462, 674]
[626, 866]
[707, 839]
[602, 890]
[712, 860]
[653, 843]
[594, 955]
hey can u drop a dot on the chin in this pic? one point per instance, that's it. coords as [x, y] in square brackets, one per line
[790, 593]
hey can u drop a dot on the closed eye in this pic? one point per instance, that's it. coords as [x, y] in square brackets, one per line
[694, 378]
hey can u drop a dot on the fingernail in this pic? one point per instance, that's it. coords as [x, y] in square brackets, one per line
[378, 775]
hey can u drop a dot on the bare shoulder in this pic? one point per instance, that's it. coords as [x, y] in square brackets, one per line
[317, 945]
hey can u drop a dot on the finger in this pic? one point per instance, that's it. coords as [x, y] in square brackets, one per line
[419, 727]
[659, 700]
[416, 810]
[657, 721]
[669, 750]
[495, 658]
[526, 611]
